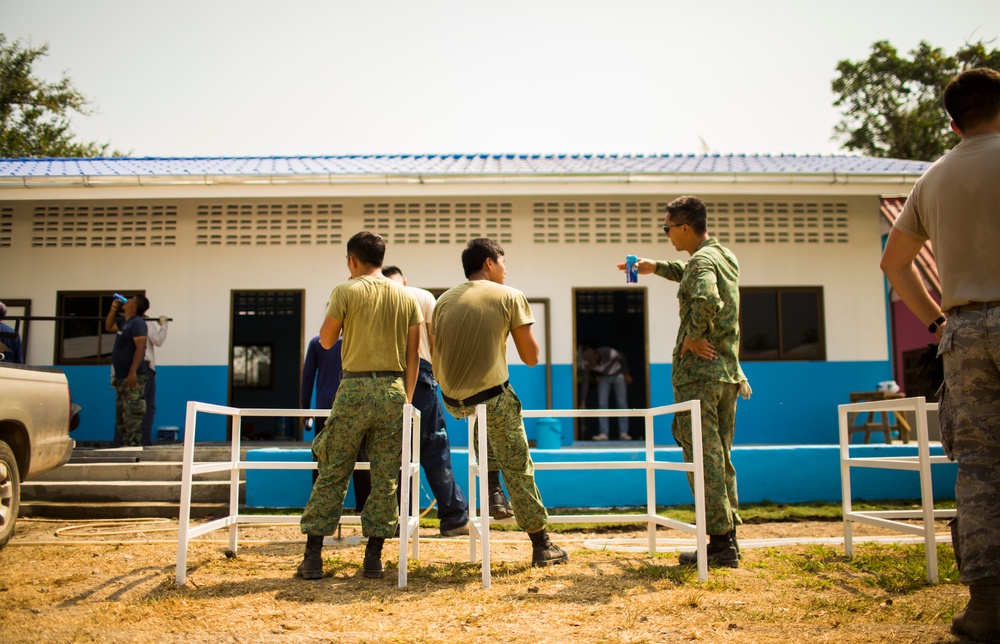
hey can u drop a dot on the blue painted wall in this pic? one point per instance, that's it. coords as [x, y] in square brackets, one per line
[91, 389]
[794, 403]
[778, 474]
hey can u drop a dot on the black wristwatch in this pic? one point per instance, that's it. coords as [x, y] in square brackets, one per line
[936, 324]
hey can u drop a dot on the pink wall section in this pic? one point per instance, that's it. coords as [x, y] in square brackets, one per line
[907, 333]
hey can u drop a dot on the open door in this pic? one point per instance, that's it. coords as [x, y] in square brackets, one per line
[265, 359]
[613, 318]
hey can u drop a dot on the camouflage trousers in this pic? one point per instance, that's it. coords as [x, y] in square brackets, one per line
[130, 407]
[508, 448]
[365, 409]
[718, 424]
[969, 415]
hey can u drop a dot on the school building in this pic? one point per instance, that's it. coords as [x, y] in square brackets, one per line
[242, 254]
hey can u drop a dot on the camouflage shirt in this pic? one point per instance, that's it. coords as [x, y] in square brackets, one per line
[709, 296]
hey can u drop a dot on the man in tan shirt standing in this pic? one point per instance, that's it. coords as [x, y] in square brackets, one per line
[471, 324]
[381, 327]
[956, 205]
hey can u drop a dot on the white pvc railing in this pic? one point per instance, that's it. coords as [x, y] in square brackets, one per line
[920, 463]
[409, 509]
[480, 525]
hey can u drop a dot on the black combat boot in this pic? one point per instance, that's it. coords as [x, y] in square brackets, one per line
[544, 552]
[373, 558]
[736, 544]
[312, 564]
[722, 552]
[980, 620]
[499, 505]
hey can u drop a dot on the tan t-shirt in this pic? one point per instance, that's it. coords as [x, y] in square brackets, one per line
[425, 300]
[471, 324]
[956, 204]
[377, 314]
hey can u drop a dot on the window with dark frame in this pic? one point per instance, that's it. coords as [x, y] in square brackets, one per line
[82, 340]
[252, 365]
[782, 323]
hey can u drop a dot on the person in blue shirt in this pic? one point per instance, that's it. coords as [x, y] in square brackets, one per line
[10, 341]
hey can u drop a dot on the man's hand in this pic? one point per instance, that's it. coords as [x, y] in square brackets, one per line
[628, 380]
[132, 380]
[642, 266]
[701, 348]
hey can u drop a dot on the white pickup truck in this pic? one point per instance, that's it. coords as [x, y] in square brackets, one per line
[36, 416]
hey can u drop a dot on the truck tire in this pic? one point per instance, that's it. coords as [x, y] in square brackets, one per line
[10, 493]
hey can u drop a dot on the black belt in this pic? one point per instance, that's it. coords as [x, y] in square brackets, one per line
[344, 375]
[973, 306]
[475, 399]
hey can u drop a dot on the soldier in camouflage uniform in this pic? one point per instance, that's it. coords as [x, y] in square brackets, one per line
[381, 327]
[706, 364]
[130, 369]
[470, 326]
[956, 205]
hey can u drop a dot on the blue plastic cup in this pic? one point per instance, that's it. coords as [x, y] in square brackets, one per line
[631, 269]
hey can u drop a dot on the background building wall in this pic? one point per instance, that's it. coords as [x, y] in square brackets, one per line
[211, 242]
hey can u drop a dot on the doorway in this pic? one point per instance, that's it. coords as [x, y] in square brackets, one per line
[613, 318]
[265, 360]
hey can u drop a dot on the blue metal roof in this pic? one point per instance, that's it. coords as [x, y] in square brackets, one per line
[468, 165]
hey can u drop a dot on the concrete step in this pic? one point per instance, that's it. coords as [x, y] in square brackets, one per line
[130, 491]
[116, 471]
[117, 510]
[173, 452]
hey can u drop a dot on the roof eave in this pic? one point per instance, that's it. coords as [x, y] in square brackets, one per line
[427, 178]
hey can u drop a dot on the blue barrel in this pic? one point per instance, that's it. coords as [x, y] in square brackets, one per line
[548, 433]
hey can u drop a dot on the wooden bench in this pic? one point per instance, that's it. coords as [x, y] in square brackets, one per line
[882, 425]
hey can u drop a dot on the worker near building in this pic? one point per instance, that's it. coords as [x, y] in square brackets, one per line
[435, 450]
[956, 206]
[706, 364]
[471, 324]
[381, 328]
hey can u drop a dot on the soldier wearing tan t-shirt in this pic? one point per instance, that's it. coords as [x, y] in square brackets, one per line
[381, 328]
[956, 205]
[470, 327]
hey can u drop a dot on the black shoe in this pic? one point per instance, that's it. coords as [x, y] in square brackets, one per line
[500, 508]
[312, 563]
[373, 558]
[722, 553]
[980, 620]
[457, 531]
[544, 552]
[736, 544]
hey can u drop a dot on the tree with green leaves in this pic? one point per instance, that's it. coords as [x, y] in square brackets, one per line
[35, 114]
[892, 104]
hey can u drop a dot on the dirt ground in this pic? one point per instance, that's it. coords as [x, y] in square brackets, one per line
[75, 582]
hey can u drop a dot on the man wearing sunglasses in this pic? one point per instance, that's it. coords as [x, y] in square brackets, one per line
[706, 364]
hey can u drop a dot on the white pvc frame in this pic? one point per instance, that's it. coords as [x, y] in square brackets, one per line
[479, 526]
[920, 463]
[409, 504]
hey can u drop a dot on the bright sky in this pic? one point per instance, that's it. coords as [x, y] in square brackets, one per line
[301, 77]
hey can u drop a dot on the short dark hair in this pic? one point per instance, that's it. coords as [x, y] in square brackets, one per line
[367, 247]
[141, 304]
[689, 210]
[477, 251]
[389, 271]
[973, 97]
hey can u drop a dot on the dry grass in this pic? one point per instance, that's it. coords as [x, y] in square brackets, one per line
[114, 592]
